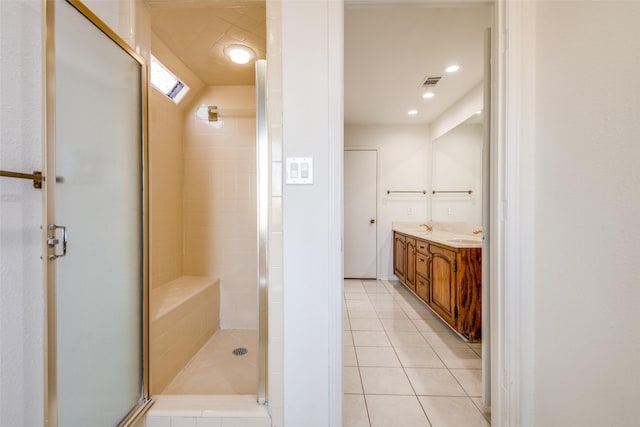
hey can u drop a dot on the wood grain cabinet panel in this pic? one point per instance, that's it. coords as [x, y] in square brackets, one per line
[422, 288]
[410, 257]
[421, 265]
[443, 281]
[399, 256]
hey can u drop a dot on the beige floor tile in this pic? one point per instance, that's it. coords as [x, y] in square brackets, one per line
[347, 338]
[371, 339]
[351, 380]
[349, 356]
[362, 313]
[399, 325]
[377, 356]
[444, 339]
[391, 313]
[366, 325]
[356, 296]
[374, 286]
[430, 325]
[486, 410]
[434, 382]
[388, 411]
[355, 411]
[385, 381]
[459, 358]
[419, 357]
[419, 313]
[346, 324]
[385, 304]
[216, 370]
[470, 380]
[359, 304]
[353, 285]
[407, 339]
[452, 412]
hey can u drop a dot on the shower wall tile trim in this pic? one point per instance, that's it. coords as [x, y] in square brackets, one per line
[274, 118]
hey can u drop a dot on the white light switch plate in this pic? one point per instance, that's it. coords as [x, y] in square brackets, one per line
[299, 170]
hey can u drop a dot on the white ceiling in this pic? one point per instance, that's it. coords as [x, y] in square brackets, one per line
[389, 50]
[197, 31]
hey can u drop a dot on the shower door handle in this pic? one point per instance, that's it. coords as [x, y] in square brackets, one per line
[52, 241]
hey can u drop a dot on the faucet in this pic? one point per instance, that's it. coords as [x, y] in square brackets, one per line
[478, 231]
[427, 226]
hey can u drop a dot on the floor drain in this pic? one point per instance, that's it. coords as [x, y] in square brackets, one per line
[240, 351]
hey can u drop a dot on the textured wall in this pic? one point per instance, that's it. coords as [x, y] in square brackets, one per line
[21, 289]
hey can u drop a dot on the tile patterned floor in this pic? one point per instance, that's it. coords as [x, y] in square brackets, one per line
[403, 366]
[216, 370]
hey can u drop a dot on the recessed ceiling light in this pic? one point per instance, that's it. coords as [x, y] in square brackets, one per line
[412, 112]
[240, 54]
[428, 95]
[452, 68]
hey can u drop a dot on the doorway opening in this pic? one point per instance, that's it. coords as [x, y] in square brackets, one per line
[204, 201]
[431, 137]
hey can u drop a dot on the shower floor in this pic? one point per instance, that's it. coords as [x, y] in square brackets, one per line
[216, 370]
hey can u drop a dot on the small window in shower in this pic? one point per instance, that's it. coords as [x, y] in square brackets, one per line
[164, 81]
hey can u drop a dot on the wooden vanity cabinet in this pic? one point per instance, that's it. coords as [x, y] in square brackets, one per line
[410, 259]
[443, 283]
[399, 256]
[422, 276]
[447, 279]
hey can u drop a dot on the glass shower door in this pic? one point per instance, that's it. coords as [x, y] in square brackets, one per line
[95, 226]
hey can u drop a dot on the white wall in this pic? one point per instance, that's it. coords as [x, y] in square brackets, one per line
[404, 163]
[21, 286]
[587, 210]
[456, 166]
[311, 226]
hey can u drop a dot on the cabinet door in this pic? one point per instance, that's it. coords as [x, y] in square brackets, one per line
[443, 292]
[410, 271]
[398, 256]
[422, 288]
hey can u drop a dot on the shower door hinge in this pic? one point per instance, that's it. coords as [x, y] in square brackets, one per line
[53, 241]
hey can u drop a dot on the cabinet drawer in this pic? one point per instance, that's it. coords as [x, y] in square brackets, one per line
[421, 264]
[421, 246]
[422, 288]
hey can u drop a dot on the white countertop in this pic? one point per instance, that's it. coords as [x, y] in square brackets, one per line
[451, 237]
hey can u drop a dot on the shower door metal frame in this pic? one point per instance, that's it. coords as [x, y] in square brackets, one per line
[263, 159]
[49, 266]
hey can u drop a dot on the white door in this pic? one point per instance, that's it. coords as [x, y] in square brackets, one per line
[360, 223]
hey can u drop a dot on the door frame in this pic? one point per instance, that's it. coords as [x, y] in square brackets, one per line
[511, 206]
[49, 145]
[365, 148]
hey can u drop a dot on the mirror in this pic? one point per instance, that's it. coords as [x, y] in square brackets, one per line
[456, 170]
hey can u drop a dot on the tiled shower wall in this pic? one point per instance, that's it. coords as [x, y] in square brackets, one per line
[219, 193]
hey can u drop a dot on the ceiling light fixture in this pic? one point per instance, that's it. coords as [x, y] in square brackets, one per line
[428, 95]
[452, 68]
[239, 54]
[412, 112]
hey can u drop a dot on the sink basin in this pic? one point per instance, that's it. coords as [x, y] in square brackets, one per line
[464, 241]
